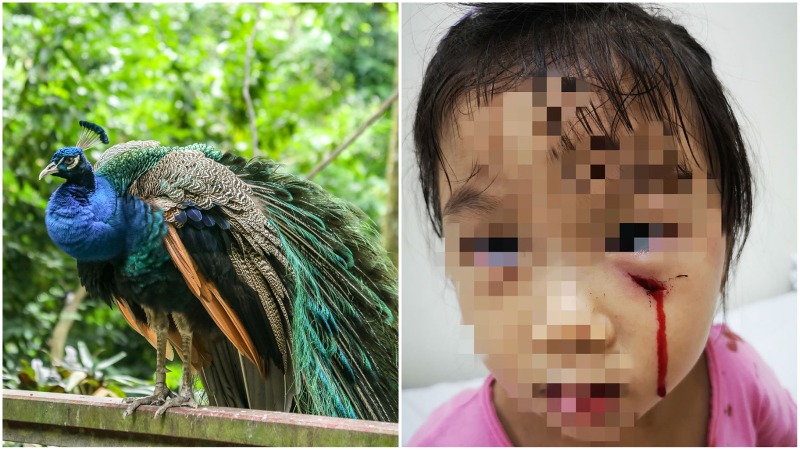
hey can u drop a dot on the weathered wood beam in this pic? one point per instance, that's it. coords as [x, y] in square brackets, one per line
[78, 420]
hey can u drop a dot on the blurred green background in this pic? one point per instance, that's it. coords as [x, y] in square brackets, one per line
[175, 73]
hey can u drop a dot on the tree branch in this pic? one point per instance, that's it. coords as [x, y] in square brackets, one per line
[251, 114]
[65, 320]
[354, 136]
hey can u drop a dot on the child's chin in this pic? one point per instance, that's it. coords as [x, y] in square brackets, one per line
[600, 421]
[590, 433]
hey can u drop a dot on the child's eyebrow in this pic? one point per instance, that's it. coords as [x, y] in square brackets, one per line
[469, 199]
[563, 145]
[596, 142]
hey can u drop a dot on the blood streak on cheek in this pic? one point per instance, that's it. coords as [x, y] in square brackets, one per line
[657, 290]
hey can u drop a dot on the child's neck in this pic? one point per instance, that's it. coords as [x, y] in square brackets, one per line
[680, 419]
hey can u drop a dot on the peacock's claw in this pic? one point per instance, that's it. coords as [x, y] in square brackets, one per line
[159, 397]
[177, 401]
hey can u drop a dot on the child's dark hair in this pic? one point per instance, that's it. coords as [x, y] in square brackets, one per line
[629, 54]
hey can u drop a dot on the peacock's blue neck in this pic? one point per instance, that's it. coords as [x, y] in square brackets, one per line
[74, 193]
[85, 219]
[84, 181]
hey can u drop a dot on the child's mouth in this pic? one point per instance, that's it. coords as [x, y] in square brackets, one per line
[585, 397]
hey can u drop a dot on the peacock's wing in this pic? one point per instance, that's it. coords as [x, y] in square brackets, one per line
[225, 249]
[344, 329]
[235, 289]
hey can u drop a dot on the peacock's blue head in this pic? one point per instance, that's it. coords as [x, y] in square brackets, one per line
[70, 162]
[67, 162]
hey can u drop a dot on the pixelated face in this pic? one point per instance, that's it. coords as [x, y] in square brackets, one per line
[590, 269]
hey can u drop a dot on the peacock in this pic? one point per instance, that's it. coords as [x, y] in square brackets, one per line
[277, 294]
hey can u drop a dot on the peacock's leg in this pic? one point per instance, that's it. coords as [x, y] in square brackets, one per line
[186, 397]
[159, 322]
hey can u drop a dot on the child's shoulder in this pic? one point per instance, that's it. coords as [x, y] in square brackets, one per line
[748, 404]
[468, 419]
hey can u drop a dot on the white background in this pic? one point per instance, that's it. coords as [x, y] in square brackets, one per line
[753, 47]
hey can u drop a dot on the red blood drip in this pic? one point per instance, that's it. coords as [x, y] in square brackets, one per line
[656, 290]
[662, 342]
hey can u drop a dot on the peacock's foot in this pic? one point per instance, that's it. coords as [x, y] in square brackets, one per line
[185, 399]
[159, 397]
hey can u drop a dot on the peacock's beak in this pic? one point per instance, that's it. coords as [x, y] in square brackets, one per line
[51, 168]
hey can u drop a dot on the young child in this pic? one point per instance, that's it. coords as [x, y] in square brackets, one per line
[593, 190]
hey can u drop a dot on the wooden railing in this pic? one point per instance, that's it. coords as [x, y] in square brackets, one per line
[78, 420]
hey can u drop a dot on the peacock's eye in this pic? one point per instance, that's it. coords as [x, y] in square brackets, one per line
[69, 160]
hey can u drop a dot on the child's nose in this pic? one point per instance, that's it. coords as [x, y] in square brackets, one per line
[576, 324]
[569, 340]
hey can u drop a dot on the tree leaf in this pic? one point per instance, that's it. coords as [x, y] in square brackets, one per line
[86, 357]
[74, 379]
[116, 391]
[110, 361]
[103, 392]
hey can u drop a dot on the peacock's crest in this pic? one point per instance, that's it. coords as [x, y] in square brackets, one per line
[91, 134]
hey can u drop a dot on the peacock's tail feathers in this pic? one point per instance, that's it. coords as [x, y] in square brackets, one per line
[233, 381]
[344, 324]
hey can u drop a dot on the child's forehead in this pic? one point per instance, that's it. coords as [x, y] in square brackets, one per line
[520, 134]
[566, 113]
[555, 83]
[533, 93]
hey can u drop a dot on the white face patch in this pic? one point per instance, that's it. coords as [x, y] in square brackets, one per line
[76, 160]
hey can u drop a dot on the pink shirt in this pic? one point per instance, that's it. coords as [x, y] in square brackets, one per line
[748, 405]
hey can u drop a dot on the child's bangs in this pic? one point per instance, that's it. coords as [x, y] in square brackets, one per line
[634, 82]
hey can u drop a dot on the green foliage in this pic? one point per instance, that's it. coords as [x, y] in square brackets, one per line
[175, 73]
[80, 373]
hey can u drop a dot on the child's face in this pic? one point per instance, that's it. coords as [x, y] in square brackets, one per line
[591, 278]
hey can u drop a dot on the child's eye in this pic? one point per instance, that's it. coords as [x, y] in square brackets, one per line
[684, 173]
[490, 252]
[500, 245]
[490, 245]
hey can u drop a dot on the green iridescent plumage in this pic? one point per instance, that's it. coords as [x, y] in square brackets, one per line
[342, 286]
[122, 167]
[345, 325]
